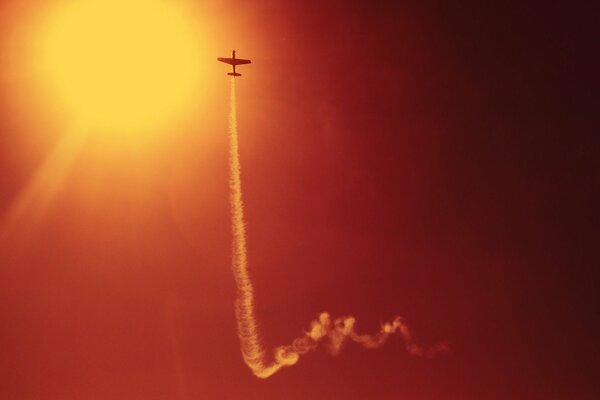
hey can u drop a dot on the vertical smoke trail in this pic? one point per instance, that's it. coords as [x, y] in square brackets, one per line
[337, 331]
[252, 350]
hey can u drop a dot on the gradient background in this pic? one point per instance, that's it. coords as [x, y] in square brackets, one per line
[427, 159]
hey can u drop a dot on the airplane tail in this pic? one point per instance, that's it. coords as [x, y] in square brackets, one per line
[234, 74]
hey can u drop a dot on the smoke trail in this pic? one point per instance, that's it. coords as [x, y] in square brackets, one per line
[336, 332]
[252, 350]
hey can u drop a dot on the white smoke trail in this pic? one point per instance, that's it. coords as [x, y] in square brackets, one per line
[252, 350]
[336, 332]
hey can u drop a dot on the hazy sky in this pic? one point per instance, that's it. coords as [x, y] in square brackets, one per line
[424, 159]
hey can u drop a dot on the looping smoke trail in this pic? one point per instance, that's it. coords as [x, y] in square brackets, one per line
[334, 333]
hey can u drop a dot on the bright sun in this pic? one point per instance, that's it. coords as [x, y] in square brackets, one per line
[125, 65]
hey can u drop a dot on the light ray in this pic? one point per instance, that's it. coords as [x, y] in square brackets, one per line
[33, 201]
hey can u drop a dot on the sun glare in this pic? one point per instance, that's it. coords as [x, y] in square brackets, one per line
[123, 65]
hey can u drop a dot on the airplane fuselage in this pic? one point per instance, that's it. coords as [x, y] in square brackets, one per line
[233, 62]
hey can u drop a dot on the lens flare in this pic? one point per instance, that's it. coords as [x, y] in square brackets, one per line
[29, 207]
[333, 332]
[124, 65]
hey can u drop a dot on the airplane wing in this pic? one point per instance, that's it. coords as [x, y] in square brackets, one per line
[239, 61]
[233, 61]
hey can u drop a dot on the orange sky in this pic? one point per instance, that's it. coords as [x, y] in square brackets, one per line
[415, 160]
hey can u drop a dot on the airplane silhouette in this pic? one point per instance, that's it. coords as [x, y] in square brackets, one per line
[233, 61]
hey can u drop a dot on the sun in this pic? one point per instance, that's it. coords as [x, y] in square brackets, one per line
[123, 65]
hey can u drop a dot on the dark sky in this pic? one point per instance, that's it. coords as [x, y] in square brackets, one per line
[431, 160]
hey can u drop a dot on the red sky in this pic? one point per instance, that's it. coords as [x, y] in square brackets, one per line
[429, 160]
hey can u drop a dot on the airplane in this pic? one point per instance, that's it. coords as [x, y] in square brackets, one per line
[233, 61]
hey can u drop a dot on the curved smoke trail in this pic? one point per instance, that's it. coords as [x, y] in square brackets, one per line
[252, 350]
[336, 331]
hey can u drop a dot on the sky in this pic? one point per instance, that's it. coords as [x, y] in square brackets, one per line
[430, 160]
